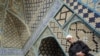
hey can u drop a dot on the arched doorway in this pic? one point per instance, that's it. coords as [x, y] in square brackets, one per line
[50, 47]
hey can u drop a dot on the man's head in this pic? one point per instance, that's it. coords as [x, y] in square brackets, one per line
[69, 38]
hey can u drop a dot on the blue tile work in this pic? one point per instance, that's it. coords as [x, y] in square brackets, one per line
[98, 25]
[91, 20]
[84, 12]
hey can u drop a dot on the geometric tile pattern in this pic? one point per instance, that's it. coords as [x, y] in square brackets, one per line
[98, 6]
[93, 4]
[15, 33]
[30, 53]
[87, 14]
[16, 6]
[90, 3]
[63, 16]
[35, 10]
[2, 1]
[49, 47]
[2, 14]
[58, 32]
[10, 34]
[80, 31]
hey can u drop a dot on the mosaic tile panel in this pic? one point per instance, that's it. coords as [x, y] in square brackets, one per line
[16, 6]
[30, 53]
[14, 31]
[98, 6]
[85, 1]
[80, 31]
[91, 4]
[2, 1]
[35, 10]
[10, 34]
[2, 14]
[59, 34]
[91, 17]
[49, 47]
[63, 16]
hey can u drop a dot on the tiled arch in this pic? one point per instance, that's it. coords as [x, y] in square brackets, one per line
[76, 26]
[50, 47]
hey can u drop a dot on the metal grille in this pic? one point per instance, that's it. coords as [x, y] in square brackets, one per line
[35, 11]
[49, 47]
[63, 16]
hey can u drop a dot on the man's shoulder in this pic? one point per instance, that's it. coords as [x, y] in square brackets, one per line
[79, 41]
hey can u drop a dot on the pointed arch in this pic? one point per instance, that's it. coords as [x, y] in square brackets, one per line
[50, 47]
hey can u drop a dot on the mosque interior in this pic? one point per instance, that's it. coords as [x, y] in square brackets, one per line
[39, 27]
